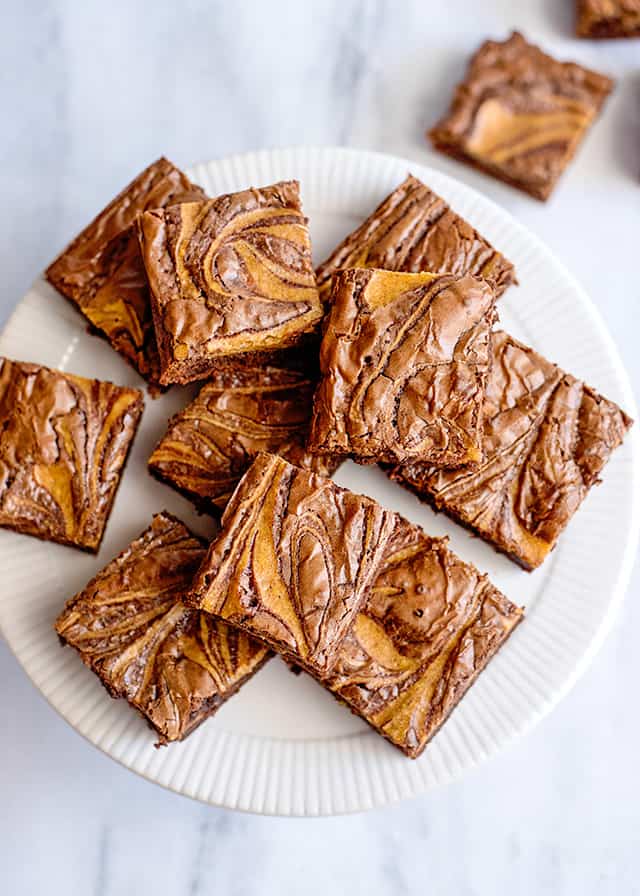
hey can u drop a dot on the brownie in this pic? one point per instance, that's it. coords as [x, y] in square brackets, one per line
[429, 627]
[231, 371]
[546, 439]
[403, 361]
[64, 441]
[520, 115]
[175, 665]
[414, 230]
[608, 18]
[295, 559]
[102, 272]
[228, 275]
[243, 411]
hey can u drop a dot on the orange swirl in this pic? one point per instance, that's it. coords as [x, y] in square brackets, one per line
[175, 665]
[62, 448]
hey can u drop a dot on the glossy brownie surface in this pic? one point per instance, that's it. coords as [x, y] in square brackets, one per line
[403, 361]
[520, 115]
[546, 439]
[102, 272]
[252, 405]
[295, 559]
[228, 275]
[429, 627]
[414, 230]
[64, 441]
[175, 665]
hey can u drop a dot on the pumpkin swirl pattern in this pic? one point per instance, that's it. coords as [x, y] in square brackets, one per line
[102, 272]
[63, 445]
[228, 276]
[404, 360]
[211, 443]
[429, 627]
[414, 230]
[295, 559]
[546, 438]
[520, 115]
[175, 665]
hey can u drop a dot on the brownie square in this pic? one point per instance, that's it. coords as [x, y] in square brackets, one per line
[176, 666]
[520, 115]
[64, 441]
[546, 439]
[229, 275]
[403, 361]
[295, 559]
[102, 272]
[414, 230]
[608, 18]
[254, 407]
[429, 627]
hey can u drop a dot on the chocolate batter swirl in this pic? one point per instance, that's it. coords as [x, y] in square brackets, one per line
[546, 438]
[174, 665]
[295, 559]
[520, 114]
[102, 272]
[63, 444]
[430, 626]
[227, 276]
[211, 443]
[404, 360]
[414, 230]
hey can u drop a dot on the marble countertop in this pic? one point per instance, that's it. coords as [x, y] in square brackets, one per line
[90, 95]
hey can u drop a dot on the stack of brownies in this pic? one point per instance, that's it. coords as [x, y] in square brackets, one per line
[386, 354]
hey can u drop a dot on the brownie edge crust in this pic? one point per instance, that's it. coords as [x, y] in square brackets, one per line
[414, 230]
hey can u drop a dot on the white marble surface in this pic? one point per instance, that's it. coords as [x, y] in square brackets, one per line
[90, 94]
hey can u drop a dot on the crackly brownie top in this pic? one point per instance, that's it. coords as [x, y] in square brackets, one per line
[102, 270]
[522, 112]
[414, 230]
[428, 628]
[546, 438]
[63, 443]
[229, 275]
[404, 360]
[294, 560]
[175, 665]
[258, 407]
[608, 18]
